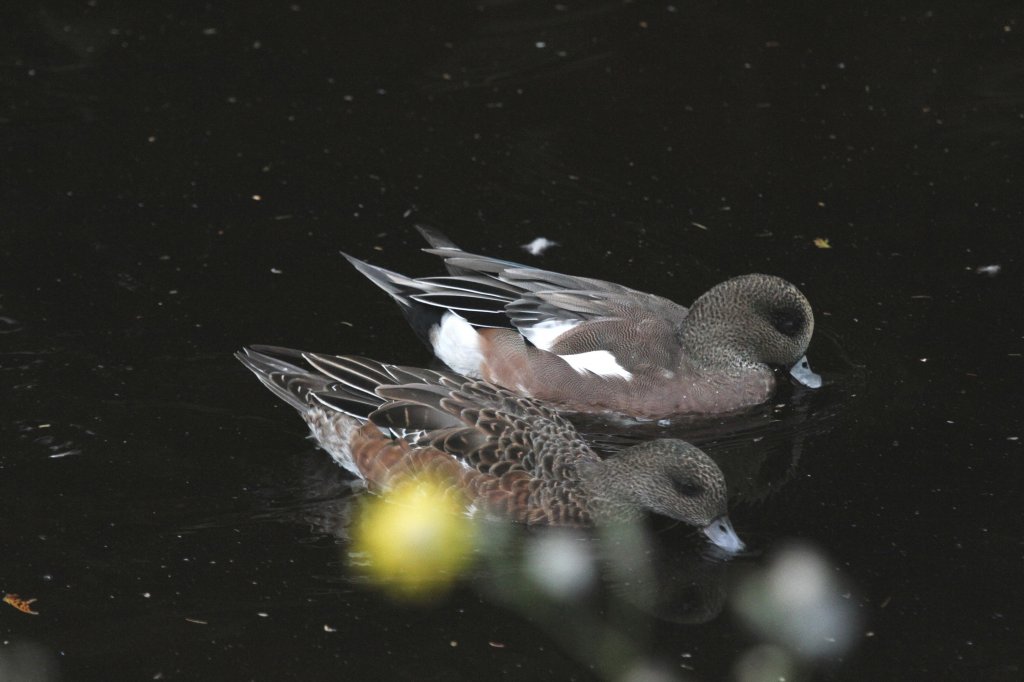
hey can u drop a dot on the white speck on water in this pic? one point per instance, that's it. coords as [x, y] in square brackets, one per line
[539, 245]
[990, 270]
[540, 44]
[276, 271]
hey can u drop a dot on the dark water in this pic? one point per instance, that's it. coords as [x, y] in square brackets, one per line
[177, 182]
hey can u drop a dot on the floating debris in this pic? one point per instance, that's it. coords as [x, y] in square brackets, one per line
[539, 245]
[989, 270]
[822, 243]
[23, 605]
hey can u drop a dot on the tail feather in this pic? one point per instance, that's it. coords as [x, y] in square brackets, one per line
[421, 317]
[436, 238]
[292, 384]
[341, 384]
[458, 262]
[474, 293]
[397, 285]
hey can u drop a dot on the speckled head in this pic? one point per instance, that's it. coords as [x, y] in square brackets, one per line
[750, 319]
[668, 477]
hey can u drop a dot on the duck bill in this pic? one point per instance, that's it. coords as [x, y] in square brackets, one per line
[802, 372]
[720, 532]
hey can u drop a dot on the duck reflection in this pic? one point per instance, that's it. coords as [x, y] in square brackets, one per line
[758, 449]
[656, 568]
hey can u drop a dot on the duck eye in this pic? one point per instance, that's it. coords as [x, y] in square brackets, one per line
[687, 488]
[787, 320]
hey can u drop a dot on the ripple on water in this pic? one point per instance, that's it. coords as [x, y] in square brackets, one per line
[9, 325]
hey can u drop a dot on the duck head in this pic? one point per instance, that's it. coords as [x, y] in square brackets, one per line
[669, 477]
[753, 320]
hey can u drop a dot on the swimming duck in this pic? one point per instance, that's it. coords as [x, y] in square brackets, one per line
[504, 455]
[586, 345]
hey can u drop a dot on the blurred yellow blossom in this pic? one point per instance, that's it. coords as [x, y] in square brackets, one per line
[415, 539]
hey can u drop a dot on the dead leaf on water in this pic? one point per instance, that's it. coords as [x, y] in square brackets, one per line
[822, 243]
[23, 605]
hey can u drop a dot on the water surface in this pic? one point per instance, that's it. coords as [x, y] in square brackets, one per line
[177, 183]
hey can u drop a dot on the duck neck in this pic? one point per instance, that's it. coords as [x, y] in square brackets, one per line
[609, 491]
[712, 335]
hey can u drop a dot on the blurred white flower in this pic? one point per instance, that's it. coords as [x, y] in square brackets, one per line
[560, 564]
[797, 601]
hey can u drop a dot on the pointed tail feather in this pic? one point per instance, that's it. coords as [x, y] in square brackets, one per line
[435, 238]
[398, 286]
[340, 383]
[288, 382]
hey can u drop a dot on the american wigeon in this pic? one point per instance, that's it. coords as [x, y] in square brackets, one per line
[591, 346]
[502, 454]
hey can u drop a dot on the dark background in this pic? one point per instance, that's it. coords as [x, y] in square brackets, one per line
[177, 181]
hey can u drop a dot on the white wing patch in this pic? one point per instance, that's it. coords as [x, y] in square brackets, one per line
[599, 362]
[544, 334]
[457, 345]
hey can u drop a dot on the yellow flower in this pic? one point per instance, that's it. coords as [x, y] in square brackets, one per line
[415, 539]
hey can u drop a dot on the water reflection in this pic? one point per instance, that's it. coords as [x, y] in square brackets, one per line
[9, 325]
[659, 568]
[759, 449]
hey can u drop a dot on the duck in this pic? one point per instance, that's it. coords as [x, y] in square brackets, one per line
[589, 346]
[500, 454]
